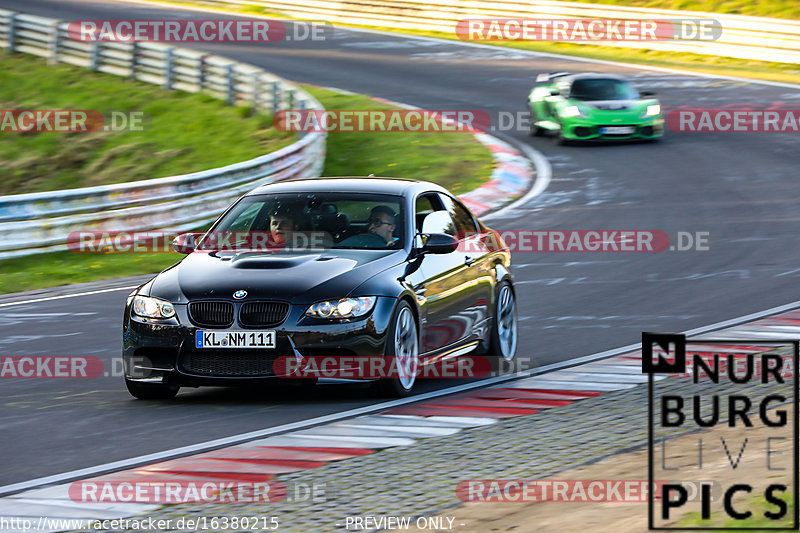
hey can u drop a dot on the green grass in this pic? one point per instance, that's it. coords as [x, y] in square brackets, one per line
[182, 132]
[722, 66]
[455, 160]
[757, 505]
[784, 9]
[63, 268]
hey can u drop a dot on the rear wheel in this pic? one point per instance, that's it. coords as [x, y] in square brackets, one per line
[151, 391]
[402, 349]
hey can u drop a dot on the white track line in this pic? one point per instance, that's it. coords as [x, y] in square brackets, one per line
[73, 295]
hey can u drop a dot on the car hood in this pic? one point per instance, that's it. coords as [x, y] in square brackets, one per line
[611, 105]
[299, 277]
[611, 111]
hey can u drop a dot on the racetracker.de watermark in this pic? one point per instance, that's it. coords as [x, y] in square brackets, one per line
[196, 31]
[519, 241]
[382, 120]
[578, 30]
[379, 367]
[570, 490]
[51, 366]
[67, 366]
[549, 490]
[733, 120]
[69, 121]
[173, 492]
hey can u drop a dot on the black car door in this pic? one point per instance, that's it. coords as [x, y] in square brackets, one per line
[450, 291]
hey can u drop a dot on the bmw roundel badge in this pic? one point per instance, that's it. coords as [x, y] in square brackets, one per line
[238, 295]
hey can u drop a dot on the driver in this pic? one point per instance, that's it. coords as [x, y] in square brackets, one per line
[382, 223]
[380, 229]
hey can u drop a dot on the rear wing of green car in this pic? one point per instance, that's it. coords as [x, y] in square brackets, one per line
[547, 77]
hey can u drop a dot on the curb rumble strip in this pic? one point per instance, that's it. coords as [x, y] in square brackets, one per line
[261, 455]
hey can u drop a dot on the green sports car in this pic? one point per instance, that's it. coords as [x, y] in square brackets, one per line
[588, 107]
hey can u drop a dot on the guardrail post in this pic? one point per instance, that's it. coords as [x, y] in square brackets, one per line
[169, 69]
[12, 32]
[134, 54]
[94, 59]
[290, 104]
[256, 87]
[276, 98]
[302, 133]
[53, 44]
[229, 97]
[201, 76]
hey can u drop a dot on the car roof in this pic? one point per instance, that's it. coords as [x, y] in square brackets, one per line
[591, 76]
[398, 186]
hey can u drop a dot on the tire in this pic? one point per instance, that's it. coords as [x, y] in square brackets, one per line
[151, 391]
[535, 131]
[559, 139]
[402, 345]
[504, 334]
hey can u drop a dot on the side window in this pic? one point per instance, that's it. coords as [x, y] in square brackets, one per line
[423, 207]
[465, 224]
[432, 216]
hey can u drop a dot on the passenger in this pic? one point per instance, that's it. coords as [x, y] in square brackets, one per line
[282, 225]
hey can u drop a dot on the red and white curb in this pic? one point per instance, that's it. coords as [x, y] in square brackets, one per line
[510, 179]
[261, 460]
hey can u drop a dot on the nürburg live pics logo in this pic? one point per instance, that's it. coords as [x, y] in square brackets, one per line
[733, 403]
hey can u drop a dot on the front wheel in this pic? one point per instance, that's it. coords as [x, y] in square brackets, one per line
[151, 391]
[402, 351]
[535, 130]
[559, 139]
[503, 344]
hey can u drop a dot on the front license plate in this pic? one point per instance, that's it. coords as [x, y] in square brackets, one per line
[617, 130]
[234, 339]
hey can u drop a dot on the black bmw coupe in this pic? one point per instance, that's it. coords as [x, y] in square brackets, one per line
[391, 269]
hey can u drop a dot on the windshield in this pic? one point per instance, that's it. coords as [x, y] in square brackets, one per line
[317, 220]
[602, 89]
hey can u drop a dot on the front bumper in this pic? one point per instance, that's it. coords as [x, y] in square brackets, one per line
[581, 129]
[163, 351]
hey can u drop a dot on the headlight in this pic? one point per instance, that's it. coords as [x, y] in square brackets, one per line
[571, 111]
[344, 308]
[652, 110]
[152, 307]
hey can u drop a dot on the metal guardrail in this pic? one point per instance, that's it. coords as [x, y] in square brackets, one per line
[41, 222]
[744, 37]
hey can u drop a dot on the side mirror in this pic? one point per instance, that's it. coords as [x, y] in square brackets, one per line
[439, 243]
[185, 243]
[647, 93]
